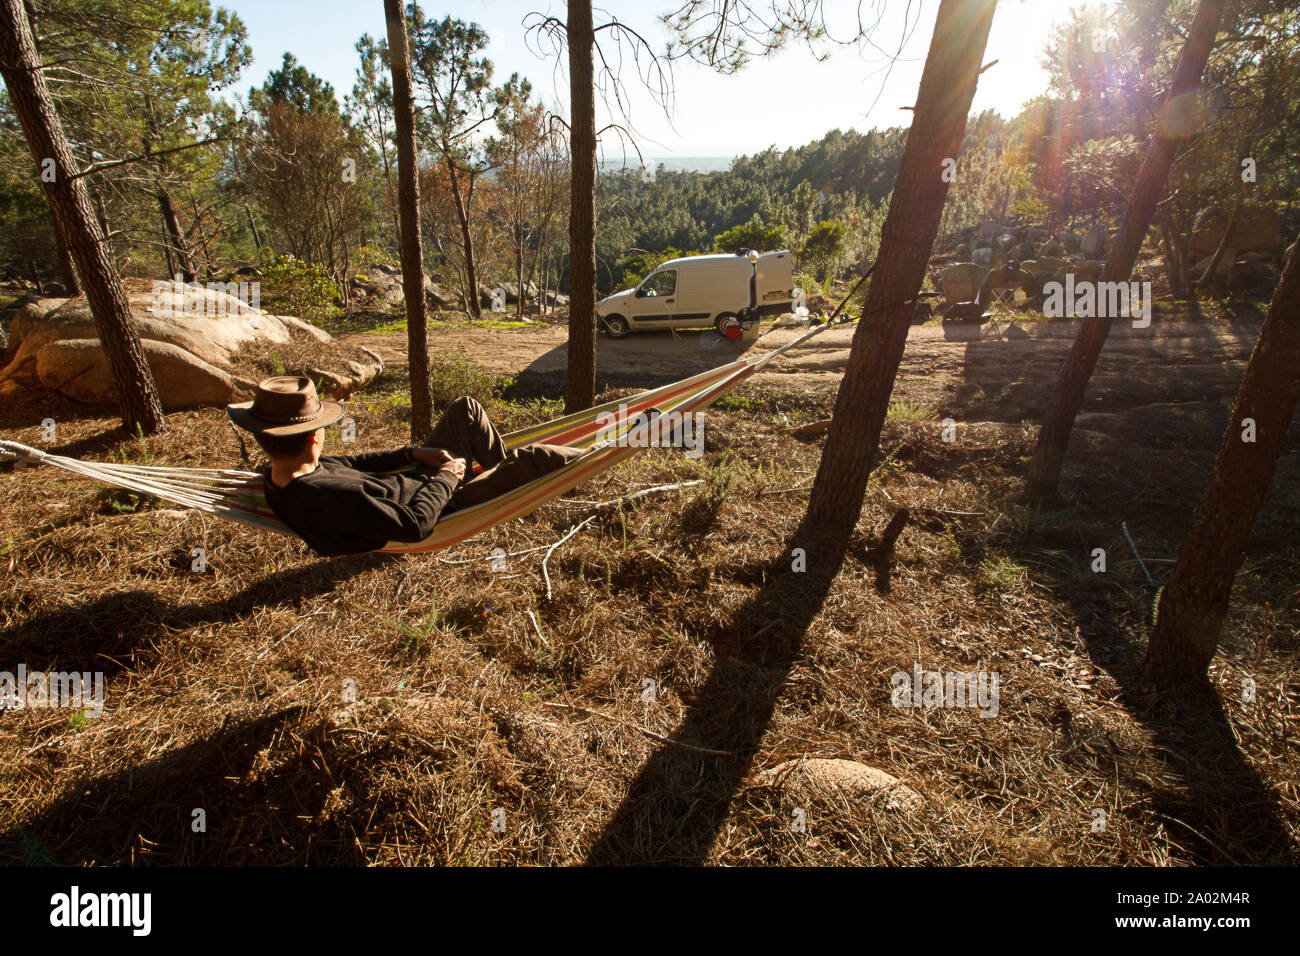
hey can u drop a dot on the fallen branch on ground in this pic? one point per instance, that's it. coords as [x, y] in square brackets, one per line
[493, 557]
[649, 733]
[549, 548]
[949, 514]
[538, 628]
[782, 491]
[635, 494]
[572, 531]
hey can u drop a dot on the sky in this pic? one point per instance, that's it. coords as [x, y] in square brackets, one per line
[784, 100]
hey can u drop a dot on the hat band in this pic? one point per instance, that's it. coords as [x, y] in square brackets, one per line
[295, 420]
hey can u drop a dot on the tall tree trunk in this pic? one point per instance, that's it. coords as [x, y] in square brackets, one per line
[30, 97]
[102, 217]
[519, 268]
[66, 267]
[1194, 603]
[1172, 270]
[461, 204]
[1184, 264]
[175, 238]
[252, 224]
[952, 68]
[167, 250]
[580, 387]
[1222, 247]
[546, 286]
[408, 204]
[196, 228]
[1067, 398]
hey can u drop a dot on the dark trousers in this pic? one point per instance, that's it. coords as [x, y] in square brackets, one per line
[466, 432]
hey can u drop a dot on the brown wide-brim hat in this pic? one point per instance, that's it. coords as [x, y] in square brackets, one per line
[284, 405]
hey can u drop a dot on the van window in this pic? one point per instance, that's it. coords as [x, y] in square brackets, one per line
[661, 283]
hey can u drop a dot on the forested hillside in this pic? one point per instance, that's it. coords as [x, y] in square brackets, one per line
[194, 180]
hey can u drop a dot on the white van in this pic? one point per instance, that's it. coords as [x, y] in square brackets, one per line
[701, 292]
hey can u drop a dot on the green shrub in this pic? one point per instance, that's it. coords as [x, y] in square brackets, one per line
[1030, 209]
[809, 285]
[292, 287]
[513, 415]
[905, 411]
[453, 374]
[752, 235]
[372, 256]
[823, 248]
[1002, 573]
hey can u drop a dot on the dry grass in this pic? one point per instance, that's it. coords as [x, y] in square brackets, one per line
[228, 690]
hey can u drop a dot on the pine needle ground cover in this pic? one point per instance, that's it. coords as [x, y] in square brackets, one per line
[441, 710]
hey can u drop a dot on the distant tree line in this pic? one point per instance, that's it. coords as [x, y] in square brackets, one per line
[187, 181]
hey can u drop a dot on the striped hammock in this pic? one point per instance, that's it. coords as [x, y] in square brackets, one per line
[611, 433]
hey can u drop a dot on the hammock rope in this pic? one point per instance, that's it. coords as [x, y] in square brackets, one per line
[610, 433]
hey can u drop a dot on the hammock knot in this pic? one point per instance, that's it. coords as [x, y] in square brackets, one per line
[13, 449]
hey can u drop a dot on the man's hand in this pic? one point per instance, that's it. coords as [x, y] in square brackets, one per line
[440, 459]
[433, 457]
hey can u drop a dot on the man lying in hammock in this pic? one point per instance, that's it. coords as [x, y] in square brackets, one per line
[349, 504]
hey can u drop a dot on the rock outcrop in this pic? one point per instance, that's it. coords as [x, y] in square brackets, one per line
[961, 282]
[1094, 241]
[381, 287]
[1257, 227]
[202, 345]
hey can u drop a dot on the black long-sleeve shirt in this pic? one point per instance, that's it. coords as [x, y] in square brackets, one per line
[347, 505]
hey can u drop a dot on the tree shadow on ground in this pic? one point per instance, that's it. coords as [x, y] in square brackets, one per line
[680, 800]
[1011, 379]
[1217, 808]
[998, 381]
[143, 813]
[641, 361]
[146, 813]
[99, 634]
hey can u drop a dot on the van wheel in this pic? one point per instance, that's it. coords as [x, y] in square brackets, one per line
[724, 320]
[615, 326]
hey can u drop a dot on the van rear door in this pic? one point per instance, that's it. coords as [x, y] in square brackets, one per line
[774, 275]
